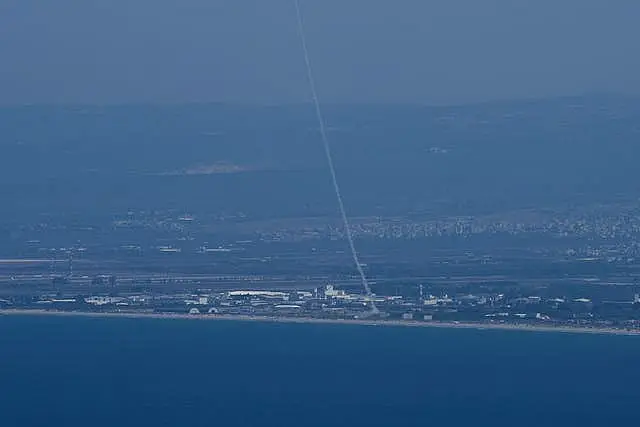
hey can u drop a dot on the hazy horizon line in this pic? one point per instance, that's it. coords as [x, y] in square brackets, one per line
[168, 104]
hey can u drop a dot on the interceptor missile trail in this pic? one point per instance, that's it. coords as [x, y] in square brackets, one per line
[327, 150]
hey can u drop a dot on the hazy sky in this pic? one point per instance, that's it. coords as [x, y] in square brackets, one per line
[441, 51]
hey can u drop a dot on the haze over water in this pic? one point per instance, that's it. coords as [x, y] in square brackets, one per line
[106, 372]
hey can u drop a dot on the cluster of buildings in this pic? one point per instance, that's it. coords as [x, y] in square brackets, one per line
[331, 302]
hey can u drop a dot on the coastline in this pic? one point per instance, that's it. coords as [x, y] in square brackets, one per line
[312, 320]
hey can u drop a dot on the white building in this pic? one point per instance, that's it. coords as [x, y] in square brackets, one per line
[103, 300]
[259, 294]
[331, 292]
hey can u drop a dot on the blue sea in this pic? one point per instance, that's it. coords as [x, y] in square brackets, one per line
[148, 372]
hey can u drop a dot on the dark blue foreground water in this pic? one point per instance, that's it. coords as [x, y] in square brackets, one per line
[119, 372]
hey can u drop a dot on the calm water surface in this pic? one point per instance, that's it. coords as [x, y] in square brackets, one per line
[148, 372]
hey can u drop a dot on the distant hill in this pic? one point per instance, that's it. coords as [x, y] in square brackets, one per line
[399, 157]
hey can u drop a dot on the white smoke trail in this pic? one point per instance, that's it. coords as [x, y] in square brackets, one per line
[327, 150]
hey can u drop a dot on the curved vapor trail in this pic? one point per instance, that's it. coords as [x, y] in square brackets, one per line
[327, 150]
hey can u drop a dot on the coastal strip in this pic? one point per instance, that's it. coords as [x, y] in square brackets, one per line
[314, 320]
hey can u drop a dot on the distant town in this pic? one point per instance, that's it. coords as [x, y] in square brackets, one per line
[507, 213]
[329, 303]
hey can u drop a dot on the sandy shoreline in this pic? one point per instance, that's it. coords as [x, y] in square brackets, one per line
[362, 322]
